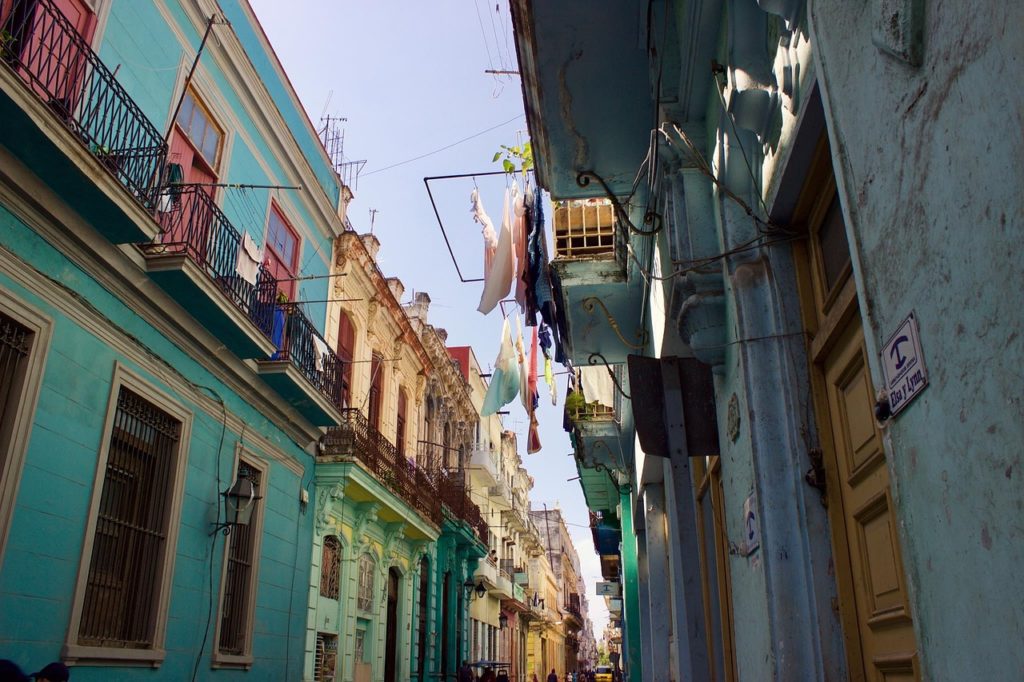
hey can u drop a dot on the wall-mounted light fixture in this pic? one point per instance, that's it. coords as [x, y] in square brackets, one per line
[239, 504]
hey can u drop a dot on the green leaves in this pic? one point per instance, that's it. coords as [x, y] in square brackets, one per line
[515, 158]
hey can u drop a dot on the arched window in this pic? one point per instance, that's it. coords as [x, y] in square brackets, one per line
[346, 352]
[376, 390]
[330, 567]
[367, 567]
[400, 422]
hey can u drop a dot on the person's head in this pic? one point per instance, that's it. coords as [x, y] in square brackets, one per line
[53, 672]
[11, 672]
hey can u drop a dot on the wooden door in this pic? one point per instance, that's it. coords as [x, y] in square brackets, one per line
[874, 609]
[865, 504]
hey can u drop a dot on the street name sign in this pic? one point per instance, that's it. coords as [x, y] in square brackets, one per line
[903, 365]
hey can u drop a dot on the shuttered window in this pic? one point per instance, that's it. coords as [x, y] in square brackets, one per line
[127, 562]
[346, 353]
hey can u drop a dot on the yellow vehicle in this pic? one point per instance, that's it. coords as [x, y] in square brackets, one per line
[603, 673]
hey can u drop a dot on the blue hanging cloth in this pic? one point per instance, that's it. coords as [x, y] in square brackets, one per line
[504, 386]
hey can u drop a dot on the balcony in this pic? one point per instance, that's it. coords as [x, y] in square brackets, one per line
[305, 371]
[355, 440]
[195, 259]
[73, 125]
[607, 536]
[483, 462]
[453, 494]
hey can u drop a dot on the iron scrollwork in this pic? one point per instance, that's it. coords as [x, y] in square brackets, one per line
[651, 217]
[596, 357]
[589, 305]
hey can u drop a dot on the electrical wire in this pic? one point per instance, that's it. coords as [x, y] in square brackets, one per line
[446, 147]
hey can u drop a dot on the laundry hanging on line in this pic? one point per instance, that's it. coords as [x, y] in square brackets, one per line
[490, 236]
[504, 385]
[533, 438]
[247, 264]
[498, 281]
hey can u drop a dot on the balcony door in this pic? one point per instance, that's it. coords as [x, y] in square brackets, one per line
[50, 47]
[873, 602]
[192, 158]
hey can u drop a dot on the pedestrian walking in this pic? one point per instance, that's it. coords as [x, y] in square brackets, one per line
[466, 673]
[553, 676]
[502, 676]
[11, 672]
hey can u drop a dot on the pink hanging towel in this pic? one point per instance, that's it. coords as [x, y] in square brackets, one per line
[533, 438]
[490, 236]
[519, 240]
[498, 281]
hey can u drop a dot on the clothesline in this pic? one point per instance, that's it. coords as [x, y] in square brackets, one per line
[440, 222]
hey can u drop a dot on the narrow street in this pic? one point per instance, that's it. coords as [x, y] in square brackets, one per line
[530, 341]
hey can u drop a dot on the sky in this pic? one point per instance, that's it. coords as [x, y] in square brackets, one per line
[410, 78]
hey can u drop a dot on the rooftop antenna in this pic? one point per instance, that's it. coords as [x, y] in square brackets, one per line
[373, 218]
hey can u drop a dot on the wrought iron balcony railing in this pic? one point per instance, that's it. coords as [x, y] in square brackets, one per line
[452, 490]
[300, 343]
[356, 440]
[195, 227]
[508, 567]
[48, 53]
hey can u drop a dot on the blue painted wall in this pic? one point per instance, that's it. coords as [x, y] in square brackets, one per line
[49, 519]
[149, 55]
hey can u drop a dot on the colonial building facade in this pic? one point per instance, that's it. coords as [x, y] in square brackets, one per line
[164, 382]
[782, 222]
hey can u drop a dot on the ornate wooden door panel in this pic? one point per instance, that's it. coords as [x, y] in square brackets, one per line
[883, 615]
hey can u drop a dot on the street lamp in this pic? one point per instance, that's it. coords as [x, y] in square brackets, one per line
[502, 621]
[239, 504]
[472, 587]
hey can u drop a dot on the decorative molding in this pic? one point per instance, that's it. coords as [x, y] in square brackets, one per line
[732, 420]
[327, 498]
[365, 514]
[394, 533]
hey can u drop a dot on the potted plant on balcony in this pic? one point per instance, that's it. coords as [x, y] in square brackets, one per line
[108, 157]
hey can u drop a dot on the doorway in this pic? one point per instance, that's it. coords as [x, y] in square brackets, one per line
[391, 641]
[873, 605]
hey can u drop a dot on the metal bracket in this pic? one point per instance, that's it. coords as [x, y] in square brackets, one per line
[591, 302]
[593, 360]
[815, 476]
[651, 217]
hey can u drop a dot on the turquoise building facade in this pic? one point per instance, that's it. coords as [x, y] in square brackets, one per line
[147, 366]
[809, 226]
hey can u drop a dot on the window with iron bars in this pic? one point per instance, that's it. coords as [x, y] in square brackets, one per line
[326, 657]
[238, 579]
[126, 566]
[15, 344]
[366, 570]
[330, 567]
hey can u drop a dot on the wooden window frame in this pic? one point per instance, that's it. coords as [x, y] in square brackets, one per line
[16, 426]
[291, 268]
[211, 164]
[375, 395]
[255, 527]
[347, 359]
[401, 421]
[153, 656]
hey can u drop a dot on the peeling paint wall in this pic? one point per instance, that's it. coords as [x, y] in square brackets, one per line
[929, 165]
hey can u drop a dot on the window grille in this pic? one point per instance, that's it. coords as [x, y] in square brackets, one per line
[126, 565]
[584, 228]
[15, 343]
[326, 658]
[330, 567]
[366, 569]
[360, 653]
[234, 610]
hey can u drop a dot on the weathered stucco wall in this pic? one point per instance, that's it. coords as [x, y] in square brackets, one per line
[929, 165]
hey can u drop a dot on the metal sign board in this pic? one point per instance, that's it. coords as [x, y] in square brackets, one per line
[903, 365]
[609, 589]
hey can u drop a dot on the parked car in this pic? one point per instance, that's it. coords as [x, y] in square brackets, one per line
[603, 673]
